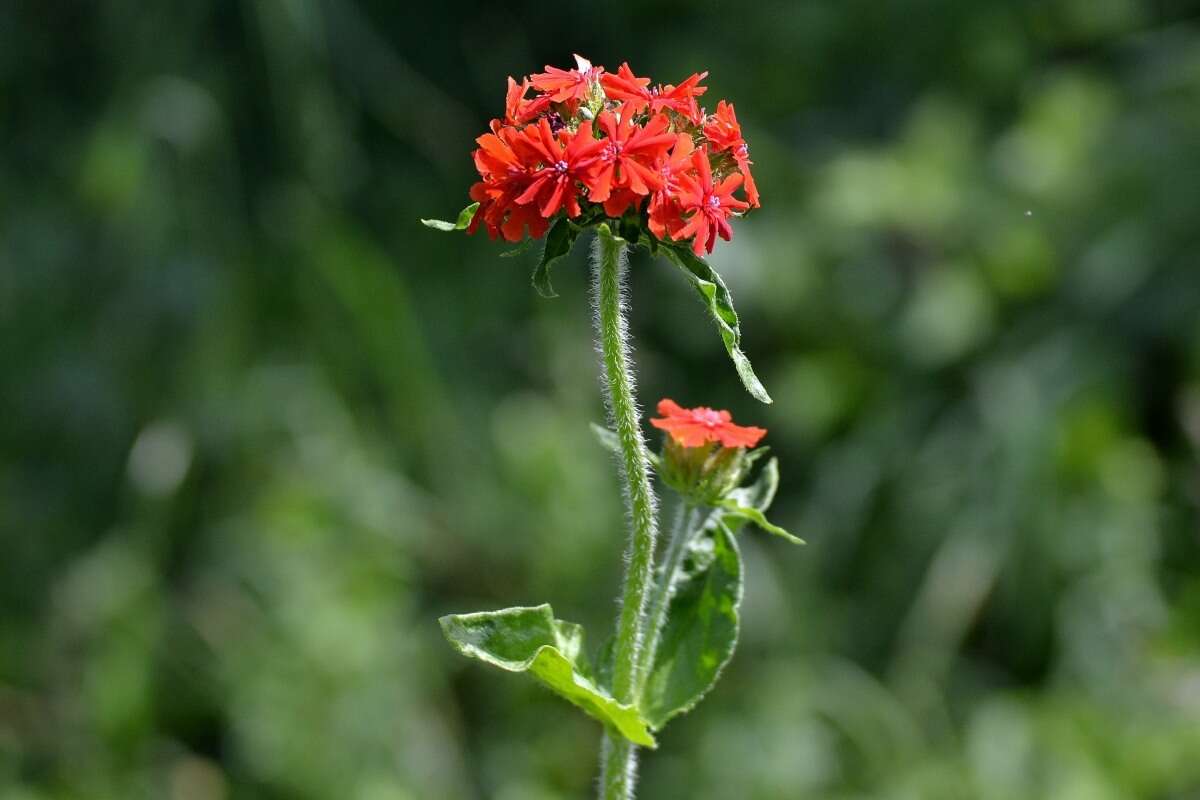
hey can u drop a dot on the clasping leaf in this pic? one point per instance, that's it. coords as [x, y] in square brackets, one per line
[531, 640]
[702, 626]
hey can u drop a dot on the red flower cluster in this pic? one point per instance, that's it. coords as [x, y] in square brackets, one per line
[580, 139]
[692, 427]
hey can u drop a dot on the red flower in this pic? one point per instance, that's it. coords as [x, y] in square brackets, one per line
[582, 140]
[724, 133]
[565, 160]
[722, 129]
[665, 213]
[710, 205]
[629, 152]
[519, 109]
[568, 85]
[505, 176]
[627, 87]
[620, 200]
[692, 427]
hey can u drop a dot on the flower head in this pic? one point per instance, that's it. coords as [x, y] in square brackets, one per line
[598, 147]
[704, 454]
[693, 427]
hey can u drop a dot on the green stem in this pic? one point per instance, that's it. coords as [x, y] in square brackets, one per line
[619, 755]
[682, 531]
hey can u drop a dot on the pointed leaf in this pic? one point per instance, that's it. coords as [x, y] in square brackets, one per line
[464, 219]
[732, 506]
[702, 627]
[558, 243]
[715, 294]
[757, 495]
[531, 640]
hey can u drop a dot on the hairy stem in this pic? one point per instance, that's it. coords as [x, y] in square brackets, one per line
[619, 756]
[687, 517]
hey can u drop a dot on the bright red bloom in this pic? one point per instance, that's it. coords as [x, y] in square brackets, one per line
[505, 176]
[722, 129]
[624, 86]
[692, 427]
[565, 159]
[724, 133]
[578, 141]
[568, 85]
[665, 217]
[620, 200]
[710, 205]
[519, 109]
[628, 156]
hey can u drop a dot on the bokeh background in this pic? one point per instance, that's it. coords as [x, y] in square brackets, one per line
[260, 428]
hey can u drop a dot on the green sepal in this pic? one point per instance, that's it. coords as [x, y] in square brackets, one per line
[609, 441]
[715, 294]
[559, 241]
[531, 640]
[702, 627]
[464, 219]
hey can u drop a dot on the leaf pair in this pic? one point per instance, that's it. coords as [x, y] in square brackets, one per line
[697, 642]
[531, 640]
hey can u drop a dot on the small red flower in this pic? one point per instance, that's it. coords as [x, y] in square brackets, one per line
[692, 427]
[665, 218]
[565, 158]
[627, 87]
[520, 109]
[628, 155]
[725, 134]
[505, 176]
[710, 205]
[567, 85]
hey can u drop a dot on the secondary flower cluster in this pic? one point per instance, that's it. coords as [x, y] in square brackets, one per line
[573, 141]
[704, 453]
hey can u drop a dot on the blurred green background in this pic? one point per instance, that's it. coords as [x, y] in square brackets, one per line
[260, 428]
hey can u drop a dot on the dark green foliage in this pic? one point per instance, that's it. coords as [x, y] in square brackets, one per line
[260, 427]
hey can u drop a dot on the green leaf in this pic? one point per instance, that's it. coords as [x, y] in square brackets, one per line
[609, 441]
[702, 627]
[757, 495]
[749, 502]
[715, 294]
[531, 640]
[558, 243]
[464, 219]
[519, 249]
